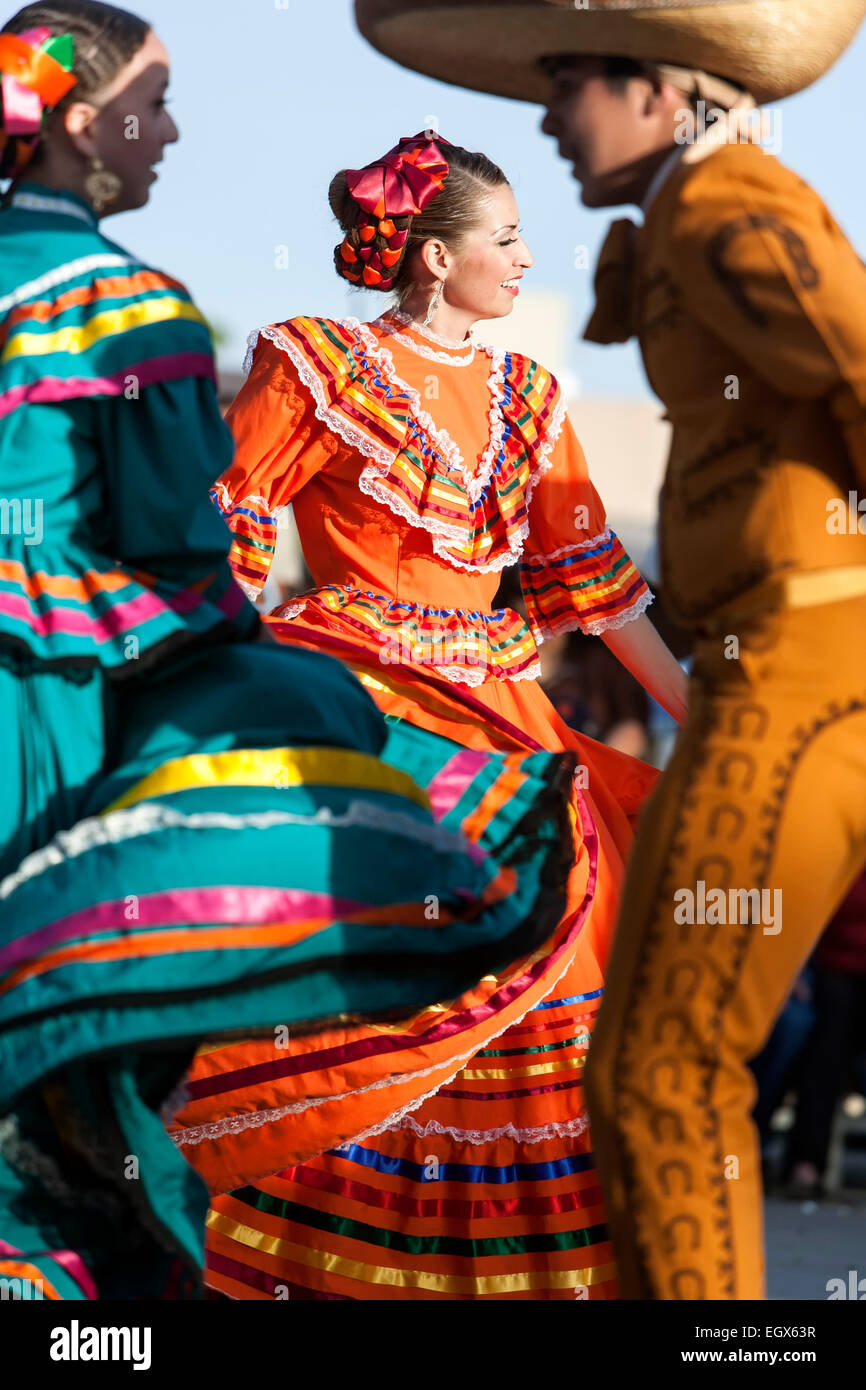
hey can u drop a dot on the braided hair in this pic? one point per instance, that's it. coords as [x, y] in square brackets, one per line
[450, 216]
[106, 39]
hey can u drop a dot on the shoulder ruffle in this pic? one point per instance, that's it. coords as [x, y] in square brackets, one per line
[101, 324]
[477, 519]
[84, 610]
[336, 361]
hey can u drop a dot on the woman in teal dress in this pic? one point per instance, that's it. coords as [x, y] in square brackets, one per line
[202, 835]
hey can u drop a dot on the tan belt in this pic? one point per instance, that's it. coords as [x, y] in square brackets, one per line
[801, 590]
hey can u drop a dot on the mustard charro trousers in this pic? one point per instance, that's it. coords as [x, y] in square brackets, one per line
[766, 790]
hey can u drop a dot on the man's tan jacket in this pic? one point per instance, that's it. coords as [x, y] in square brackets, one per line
[750, 308]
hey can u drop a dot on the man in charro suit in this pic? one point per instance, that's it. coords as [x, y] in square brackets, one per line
[749, 305]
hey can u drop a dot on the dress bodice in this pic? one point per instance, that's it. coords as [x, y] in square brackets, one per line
[417, 474]
[340, 504]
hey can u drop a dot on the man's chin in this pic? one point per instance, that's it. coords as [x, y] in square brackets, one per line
[594, 194]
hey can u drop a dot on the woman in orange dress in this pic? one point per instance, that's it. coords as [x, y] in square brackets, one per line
[419, 465]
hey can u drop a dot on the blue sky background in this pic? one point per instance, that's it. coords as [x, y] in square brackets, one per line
[273, 96]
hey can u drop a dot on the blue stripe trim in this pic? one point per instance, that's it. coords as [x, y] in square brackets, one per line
[572, 999]
[466, 1172]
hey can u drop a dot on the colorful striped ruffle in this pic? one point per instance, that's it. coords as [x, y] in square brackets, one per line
[251, 890]
[477, 521]
[100, 325]
[251, 1107]
[487, 1191]
[593, 586]
[254, 538]
[462, 646]
[117, 618]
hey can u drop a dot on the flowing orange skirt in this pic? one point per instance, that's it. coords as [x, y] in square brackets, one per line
[475, 1179]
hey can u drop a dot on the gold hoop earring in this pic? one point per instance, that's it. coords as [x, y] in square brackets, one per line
[101, 186]
[434, 304]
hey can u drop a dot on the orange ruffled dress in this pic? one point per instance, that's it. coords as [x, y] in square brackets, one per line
[417, 471]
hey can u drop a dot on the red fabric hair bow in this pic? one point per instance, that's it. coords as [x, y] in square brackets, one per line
[403, 181]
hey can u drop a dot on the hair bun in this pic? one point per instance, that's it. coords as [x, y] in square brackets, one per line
[441, 199]
[370, 253]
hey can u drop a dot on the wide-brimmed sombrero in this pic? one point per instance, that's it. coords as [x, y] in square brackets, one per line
[771, 47]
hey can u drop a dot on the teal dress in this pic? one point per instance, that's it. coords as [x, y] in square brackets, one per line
[112, 559]
[202, 835]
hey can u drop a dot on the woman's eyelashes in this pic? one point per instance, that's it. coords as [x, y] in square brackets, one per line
[511, 240]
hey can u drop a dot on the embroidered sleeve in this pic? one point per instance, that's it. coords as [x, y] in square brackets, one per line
[280, 443]
[575, 572]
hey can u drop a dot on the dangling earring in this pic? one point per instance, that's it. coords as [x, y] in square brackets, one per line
[101, 186]
[434, 304]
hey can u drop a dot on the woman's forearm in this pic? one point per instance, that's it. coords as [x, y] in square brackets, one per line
[641, 651]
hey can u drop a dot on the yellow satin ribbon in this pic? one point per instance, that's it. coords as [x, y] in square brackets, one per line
[275, 767]
[506, 1073]
[406, 1278]
[104, 325]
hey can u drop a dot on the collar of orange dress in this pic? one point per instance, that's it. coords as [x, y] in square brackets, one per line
[400, 184]
[35, 74]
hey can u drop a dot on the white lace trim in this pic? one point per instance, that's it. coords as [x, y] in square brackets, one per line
[447, 447]
[400, 316]
[355, 438]
[542, 632]
[421, 349]
[602, 625]
[477, 675]
[371, 482]
[562, 550]
[474, 482]
[404, 1110]
[533, 1135]
[227, 504]
[237, 1124]
[82, 266]
[374, 474]
[372, 479]
[477, 482]
[151, 817]
[458, 675]
[429, 353]
[543, 461]
[290, 610]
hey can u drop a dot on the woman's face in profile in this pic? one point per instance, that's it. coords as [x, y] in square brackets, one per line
[485, 274]
[134, 126]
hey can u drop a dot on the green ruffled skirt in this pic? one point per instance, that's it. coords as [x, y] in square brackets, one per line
[239, 844]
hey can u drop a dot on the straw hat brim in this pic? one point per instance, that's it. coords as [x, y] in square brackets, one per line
[773, 48]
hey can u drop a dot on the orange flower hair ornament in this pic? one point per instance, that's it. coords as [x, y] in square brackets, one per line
[35, 74]
[400, 184]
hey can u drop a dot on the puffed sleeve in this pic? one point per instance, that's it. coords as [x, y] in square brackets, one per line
[163, 450]
[574, 571]
[280, 443]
